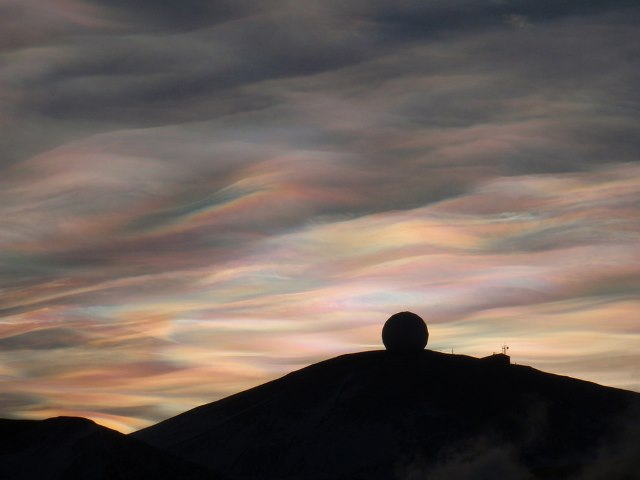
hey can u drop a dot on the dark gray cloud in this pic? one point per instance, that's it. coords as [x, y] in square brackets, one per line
[411, 19]
[103, 78]
[128, 78]
[11, 402]
[173, 15]
[44, 339]
[140, 78]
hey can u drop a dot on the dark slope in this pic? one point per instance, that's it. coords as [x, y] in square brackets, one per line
[77, 448]
[377, 415]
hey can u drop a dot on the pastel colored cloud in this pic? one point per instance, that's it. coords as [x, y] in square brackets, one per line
[195, 199]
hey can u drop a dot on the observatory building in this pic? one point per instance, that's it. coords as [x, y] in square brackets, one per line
[405, 332]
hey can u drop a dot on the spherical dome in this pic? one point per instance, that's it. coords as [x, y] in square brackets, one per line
[405, 332]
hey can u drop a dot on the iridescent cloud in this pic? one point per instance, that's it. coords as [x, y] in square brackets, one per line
[195, 200]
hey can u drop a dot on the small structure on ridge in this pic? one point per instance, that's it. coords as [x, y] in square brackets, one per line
[499, 358]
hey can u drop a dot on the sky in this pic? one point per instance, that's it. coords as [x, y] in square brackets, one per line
[200, 196]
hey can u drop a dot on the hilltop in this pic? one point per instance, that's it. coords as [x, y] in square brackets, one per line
[72, 448]
[382, 415]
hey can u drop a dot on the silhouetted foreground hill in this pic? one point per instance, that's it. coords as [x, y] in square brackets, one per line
[72, 448]
[379, 415]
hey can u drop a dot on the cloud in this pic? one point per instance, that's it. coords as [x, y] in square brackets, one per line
[167, 15]
[228, 190]
[46, 339]
[14, 402]
[36, 22]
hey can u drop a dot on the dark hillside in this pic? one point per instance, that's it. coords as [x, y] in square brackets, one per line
[383, 415]
[67, 448]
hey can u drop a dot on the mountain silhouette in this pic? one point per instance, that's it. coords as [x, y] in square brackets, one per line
[72, 448]
[419, 415]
